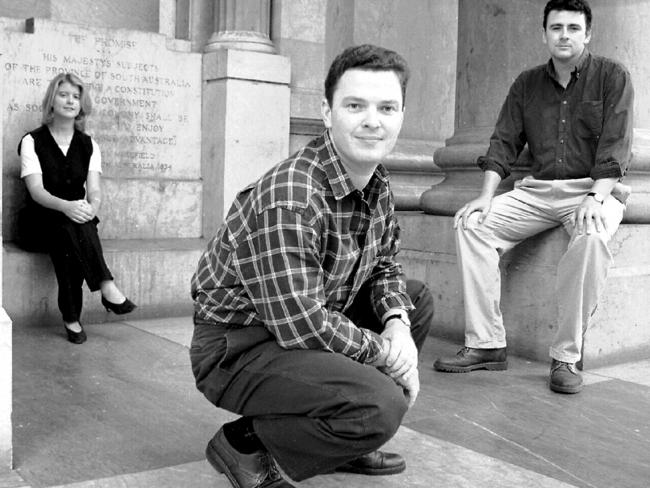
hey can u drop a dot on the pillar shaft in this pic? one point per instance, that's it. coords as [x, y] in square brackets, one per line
[244, 25]
[245, 124]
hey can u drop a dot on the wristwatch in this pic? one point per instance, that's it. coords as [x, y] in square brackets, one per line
[596, 196]
[396, 314]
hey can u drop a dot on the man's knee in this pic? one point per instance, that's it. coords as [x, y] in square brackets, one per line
[372, 410]
[420, 295]
[590, 246]
[384, 414]
[593, 238]
[422, 317]
[470, 226]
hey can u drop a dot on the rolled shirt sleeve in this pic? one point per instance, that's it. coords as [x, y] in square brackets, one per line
[614, 148]
[509, 137]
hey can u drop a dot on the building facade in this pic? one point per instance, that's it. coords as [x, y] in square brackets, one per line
[193, 99]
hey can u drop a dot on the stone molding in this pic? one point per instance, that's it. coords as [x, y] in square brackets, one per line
[242, 25]
[243, 40]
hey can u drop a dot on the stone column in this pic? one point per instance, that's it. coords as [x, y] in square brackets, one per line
[167, 18]
[242, 25]
[5, 359]
[489, 59]
[245, 105]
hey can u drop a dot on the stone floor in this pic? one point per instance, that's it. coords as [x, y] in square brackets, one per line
[122, 411]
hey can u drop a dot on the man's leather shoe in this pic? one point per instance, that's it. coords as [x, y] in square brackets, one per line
[257, 470]
[469, 359]
[564, 377]
[375, 463]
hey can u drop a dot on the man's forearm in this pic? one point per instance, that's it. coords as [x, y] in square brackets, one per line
[604, 186]
[491, 180]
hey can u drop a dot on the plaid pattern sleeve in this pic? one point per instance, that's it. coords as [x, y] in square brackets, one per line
[294, 251]
[289, 288]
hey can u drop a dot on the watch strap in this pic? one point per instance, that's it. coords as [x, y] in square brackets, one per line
[396, 314]
[596, 196]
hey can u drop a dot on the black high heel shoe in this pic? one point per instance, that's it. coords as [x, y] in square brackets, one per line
[119, 308]
[76, 337]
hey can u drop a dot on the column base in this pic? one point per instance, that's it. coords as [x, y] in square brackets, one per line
[463, 178]
[242, 40]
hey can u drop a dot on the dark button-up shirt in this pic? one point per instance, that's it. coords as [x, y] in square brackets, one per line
[296, 248]
[582, 131]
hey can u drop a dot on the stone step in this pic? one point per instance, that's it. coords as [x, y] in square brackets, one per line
[154, 273]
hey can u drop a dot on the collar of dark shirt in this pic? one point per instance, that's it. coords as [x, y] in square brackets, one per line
[337, 175]
[582, 64]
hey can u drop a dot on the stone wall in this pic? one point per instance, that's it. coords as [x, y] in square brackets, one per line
[126, 14]
[312, 33]
[146, 119]
[146, 91]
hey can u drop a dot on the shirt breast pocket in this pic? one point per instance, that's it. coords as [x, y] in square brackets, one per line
[589, 119]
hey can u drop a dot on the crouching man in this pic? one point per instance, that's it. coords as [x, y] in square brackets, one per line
[304, 324]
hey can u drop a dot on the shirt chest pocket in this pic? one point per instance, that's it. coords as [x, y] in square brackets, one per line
[589, 119]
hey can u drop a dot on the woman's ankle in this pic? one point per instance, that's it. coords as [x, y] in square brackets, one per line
[111, 292]
[74, 326]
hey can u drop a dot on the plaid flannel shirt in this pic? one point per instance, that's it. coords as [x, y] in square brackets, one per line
[296, 248]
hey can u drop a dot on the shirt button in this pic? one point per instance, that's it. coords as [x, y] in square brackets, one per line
[563, 121]
[559, 160]
[563, 102]
[561, 141]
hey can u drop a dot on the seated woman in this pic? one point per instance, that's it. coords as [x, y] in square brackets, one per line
[61, 167]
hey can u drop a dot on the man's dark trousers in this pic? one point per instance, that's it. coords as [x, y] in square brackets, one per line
[312, 410]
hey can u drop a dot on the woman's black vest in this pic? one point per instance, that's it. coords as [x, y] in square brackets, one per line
[64, 176]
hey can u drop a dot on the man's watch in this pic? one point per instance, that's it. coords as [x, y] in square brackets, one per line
[399, 314]
[596, 196]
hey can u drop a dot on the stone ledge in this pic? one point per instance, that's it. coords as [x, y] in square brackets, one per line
[154, 273]
[619, 331]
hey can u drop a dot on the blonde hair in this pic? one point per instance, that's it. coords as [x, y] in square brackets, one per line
[85, 103]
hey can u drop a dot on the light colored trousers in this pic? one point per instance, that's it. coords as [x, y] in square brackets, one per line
[532, 207]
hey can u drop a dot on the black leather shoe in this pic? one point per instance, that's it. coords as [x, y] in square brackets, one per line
[564, 378]
[119, 308]
[469, 359]
[75, 337]
[376, 463]
[257, 470]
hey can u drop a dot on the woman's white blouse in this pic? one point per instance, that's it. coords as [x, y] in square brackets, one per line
[30, 164]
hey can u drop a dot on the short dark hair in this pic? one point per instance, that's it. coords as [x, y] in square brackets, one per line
[366, 57]
[572, 6]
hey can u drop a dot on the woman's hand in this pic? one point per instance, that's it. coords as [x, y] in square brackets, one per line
[79, 211]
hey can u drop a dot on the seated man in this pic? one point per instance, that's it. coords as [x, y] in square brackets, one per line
[303, 323]
[575, 113]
